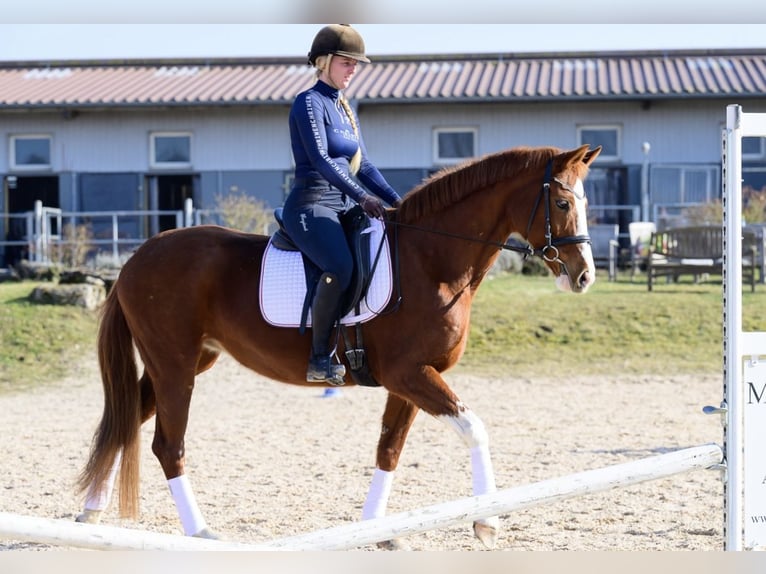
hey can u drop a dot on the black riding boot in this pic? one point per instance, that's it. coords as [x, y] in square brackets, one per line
[325, 309]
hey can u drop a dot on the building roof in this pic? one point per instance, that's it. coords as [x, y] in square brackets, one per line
[401, 79]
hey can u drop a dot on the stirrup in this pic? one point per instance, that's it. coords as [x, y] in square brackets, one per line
[322, 370]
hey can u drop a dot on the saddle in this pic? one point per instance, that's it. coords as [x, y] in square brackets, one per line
[368, 294]
[354, 223]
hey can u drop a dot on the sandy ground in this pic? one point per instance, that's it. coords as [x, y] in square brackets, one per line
[268, 460]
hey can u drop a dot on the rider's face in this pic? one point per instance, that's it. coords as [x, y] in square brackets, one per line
[340, 72]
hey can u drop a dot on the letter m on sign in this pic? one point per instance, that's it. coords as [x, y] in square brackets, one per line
[752, 392]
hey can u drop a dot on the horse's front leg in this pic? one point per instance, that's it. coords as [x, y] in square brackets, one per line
[472, 431]
[431, 393]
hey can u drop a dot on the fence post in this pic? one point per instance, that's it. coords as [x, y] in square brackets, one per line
[115, 240]
[188, 212]
[37, 232]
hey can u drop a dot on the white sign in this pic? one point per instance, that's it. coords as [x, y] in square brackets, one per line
[754, 380]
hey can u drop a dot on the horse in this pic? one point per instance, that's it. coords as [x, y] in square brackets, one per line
[187, 295]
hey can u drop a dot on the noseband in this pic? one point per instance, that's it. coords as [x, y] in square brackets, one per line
[550, 251]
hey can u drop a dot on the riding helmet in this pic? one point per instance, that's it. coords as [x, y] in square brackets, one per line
[340, 39]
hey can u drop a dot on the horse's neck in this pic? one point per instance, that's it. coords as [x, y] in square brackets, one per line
[464, 246]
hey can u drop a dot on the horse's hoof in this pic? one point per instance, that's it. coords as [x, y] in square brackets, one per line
[486, 531]
[89, 516]
[207, 533]
[397, 544]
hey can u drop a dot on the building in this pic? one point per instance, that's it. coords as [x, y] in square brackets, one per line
[149, 135]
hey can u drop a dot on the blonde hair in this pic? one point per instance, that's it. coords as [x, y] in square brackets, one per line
[322, 64]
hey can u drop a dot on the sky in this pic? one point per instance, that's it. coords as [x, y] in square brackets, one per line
[115, 40]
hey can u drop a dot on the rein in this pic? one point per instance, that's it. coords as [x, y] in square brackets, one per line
[549, 252]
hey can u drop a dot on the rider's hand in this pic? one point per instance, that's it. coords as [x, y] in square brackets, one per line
[372, 206]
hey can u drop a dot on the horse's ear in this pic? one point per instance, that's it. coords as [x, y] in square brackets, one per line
[581, 154]
[591, 154]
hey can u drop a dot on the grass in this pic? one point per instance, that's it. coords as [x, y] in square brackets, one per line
[40, 343]
[520, 325]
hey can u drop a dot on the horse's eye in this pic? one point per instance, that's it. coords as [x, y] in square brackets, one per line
[562, 204]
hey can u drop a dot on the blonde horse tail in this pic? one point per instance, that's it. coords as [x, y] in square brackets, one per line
[120, 423]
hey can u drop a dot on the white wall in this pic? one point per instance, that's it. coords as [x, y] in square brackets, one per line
[397, 136]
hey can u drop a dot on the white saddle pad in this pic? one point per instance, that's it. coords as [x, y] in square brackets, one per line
[283, 284]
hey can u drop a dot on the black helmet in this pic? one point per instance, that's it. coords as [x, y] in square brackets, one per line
[340, 39]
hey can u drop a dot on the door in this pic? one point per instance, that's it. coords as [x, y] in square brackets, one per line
[21, 193]
[168, 193]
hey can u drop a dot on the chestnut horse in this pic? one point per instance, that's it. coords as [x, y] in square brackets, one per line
[189, 294]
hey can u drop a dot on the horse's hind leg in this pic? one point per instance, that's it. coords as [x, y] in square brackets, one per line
[99, 495]
[397, 420]
[173, 390]
[168, 447]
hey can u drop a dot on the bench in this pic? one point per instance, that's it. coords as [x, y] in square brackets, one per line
[695, 251]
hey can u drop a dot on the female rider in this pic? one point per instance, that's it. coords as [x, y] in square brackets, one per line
[330, 163]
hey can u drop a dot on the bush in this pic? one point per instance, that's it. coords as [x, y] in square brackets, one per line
[507, 262]
[753, 209]
[244, 213]
[75, 245]
[515, 262]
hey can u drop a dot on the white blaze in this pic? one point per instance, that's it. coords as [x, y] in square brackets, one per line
[562, 281]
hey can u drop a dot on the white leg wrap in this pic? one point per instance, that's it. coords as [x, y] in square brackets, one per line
[188, 511]
[99, 495]
[482, 472]
[471, 429]
[377, 497]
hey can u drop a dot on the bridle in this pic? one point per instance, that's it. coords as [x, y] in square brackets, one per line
[549, 252]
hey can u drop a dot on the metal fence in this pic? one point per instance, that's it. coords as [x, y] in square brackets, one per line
[40, 234]
[41, 237]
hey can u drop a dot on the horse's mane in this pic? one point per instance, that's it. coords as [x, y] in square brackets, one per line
[451, 184]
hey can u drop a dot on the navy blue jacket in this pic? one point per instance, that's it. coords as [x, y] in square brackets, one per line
[323, 142]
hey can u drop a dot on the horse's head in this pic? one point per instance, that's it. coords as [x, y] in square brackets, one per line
[558, 226]
[552, 210]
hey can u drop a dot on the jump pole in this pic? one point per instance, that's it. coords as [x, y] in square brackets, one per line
[67, 533]
[744, 383]
[442, 515]
[59, 532]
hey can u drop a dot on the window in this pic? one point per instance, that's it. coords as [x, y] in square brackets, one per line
[30, 152]
[608, 137]
[170, 150]
[675, 187]
[453, 145]
[753, 147]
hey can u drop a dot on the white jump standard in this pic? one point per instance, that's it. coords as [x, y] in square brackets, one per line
[744, 354]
